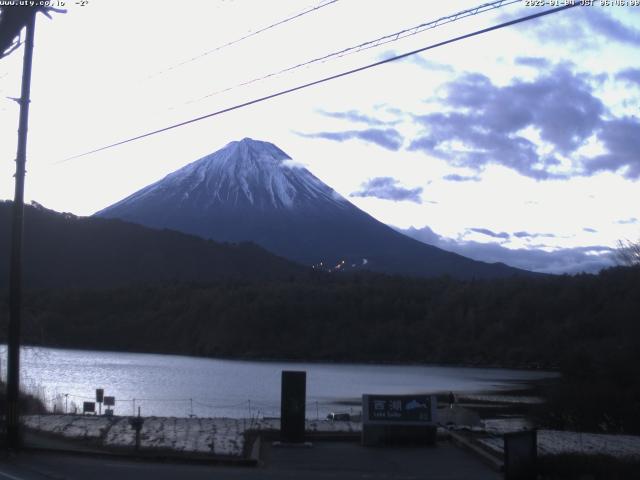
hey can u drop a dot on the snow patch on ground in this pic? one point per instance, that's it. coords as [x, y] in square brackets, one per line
[502, 399]
[216, 436]
[312, 426]
[500, 426]
[70, 426]
[226, 436]
[554, 442]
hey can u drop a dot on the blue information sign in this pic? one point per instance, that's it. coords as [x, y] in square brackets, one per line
[400, 408]
[399, 419]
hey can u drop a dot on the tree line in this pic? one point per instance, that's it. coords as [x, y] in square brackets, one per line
[585, 325]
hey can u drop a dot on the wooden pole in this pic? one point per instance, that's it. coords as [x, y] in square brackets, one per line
[15, 269]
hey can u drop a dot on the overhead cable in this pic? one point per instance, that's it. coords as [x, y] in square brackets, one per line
[326, 79]
[392, 37]
[248, 35]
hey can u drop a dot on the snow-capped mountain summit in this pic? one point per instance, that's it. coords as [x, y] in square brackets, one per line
[252, 191]
[245, 173]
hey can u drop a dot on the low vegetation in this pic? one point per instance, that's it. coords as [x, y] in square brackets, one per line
[29, 404]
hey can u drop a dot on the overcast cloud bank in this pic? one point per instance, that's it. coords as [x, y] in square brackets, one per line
[589, 259]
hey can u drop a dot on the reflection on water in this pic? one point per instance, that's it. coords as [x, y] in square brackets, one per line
[171, 385]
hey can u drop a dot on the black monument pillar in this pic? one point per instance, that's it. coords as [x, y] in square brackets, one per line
[293, 406]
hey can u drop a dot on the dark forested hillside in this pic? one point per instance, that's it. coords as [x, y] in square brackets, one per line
[62, 250]
[545, 321]
[586, 325]
[239, 301]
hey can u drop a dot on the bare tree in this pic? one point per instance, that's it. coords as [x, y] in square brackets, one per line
[628, 252]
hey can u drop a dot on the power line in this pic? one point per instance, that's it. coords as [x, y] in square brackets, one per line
[392, 37]
[326, 79]
[249, 35]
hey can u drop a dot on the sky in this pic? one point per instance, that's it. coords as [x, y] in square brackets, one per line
[519, 145]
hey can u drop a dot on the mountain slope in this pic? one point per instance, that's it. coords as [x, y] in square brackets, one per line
[251, 191]
[61, 250]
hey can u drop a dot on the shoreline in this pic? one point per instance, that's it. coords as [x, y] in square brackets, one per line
[249, 358]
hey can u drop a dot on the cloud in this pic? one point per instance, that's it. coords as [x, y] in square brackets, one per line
[388, 138]
[630, 75]
[352, 116]
[590, 230]
[486, 231]
[387, 188]
[589, 259]
[418, 60]
[484, 124]
[584, 28]
[607, 26]
[621, 138]
[430, 64]
[454, 177]
[533, 235]
[627, 221]
[536, 62]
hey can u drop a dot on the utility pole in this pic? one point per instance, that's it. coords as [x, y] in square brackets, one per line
[15, 271]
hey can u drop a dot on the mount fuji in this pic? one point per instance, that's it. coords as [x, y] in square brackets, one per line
[252, 191]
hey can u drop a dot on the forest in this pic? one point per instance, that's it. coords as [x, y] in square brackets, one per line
[585, 325]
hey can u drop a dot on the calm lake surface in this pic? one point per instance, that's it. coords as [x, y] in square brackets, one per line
[172, 385]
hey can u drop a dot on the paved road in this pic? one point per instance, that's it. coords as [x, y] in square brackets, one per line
[324, 461]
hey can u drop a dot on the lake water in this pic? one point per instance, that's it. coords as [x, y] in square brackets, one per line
[171, 385]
